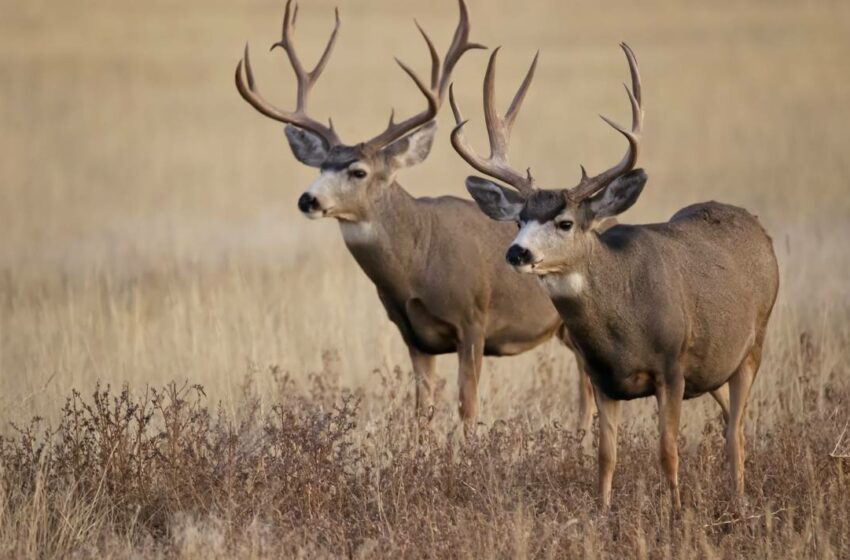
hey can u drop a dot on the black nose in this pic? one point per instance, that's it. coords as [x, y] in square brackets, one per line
[518, 255]
[308, 203]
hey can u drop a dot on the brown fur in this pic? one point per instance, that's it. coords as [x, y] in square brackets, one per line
[673, 310]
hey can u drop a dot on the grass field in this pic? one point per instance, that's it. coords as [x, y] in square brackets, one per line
[150, 235]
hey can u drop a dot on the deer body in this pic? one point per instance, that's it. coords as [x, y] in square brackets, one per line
[434, 261]
[672, 310]
[688, 297]
[440, 288]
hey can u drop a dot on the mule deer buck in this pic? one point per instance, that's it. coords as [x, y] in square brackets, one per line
[433, 260]
[672, 310]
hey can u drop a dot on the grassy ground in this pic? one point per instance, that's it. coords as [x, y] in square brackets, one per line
[149, 235]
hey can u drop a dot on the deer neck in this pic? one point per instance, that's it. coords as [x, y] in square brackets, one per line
[594, 290]
[384, 241]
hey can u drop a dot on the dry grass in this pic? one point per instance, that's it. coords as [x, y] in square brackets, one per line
[164, 473]
[150, 235]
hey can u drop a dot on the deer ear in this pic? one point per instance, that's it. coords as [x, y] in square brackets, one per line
[413, 148]
[307, 147]
[619, 195]
[496, 201]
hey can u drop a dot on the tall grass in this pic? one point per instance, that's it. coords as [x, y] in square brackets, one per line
[167, 473]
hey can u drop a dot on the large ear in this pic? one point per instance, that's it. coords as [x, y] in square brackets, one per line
[494, 200]
[413, 148]
[618, 196]
[307, 147]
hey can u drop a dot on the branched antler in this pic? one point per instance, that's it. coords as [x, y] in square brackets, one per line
[591, 185]
[498, 131]
[435, 91]
[305, 80]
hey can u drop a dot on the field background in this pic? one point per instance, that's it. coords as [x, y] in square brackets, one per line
[149, 227]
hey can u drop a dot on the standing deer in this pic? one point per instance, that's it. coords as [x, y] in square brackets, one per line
[433, 260]
[672, 310]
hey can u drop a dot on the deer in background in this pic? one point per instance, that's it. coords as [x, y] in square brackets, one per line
[671, 310]
[434, 261]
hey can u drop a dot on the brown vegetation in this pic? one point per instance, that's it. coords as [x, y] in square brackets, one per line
[167, 472]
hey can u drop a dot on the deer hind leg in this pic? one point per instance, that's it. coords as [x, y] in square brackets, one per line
[609, 420]
[585, 401]
[669, 396]
[739, 389]
[424, 375]
[470, 356]
[721, 395]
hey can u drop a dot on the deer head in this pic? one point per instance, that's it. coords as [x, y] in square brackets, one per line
[349, 174]
[555, 225]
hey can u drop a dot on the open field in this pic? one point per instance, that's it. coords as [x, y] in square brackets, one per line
[150, 234]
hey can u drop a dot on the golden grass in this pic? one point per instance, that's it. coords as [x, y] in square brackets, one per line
[150, 234]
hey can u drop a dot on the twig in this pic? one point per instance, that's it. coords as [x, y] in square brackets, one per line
[749, 517]
[835, 454]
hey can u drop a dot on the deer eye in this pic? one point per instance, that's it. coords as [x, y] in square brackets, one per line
[357, 173]
[564, 225]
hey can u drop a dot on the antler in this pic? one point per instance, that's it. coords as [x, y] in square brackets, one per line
[306, 80]
[435, 92]
[591, 185]
[498, 131]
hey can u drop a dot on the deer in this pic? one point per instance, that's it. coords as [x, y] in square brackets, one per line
[432, 260]
[672, 310]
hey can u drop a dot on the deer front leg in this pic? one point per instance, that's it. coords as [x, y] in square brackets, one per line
[470, 356]
[670, 395]
[609, 420]
[585, 387]
[425, 379]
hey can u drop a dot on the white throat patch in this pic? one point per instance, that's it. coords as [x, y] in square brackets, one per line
[568, 286]
[357, 233]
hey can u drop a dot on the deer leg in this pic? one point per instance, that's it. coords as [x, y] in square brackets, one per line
[609, 419]
[585, 401]
[425, 379]
[585, 387]
[470, 355]
[721, 395]
[739, 389]
[669, 396]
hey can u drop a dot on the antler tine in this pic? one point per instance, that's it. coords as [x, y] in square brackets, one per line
[494, 124]
[434, 94]
[305, 81]
[516, 104]
[285, 43]
[499, 128]
[459, 142]
[323, 60]
[633, 70]
[435, 58]
[498, 131]
[460, 44]
[588, 186]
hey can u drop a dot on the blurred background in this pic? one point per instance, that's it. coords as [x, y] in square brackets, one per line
[149, 226]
